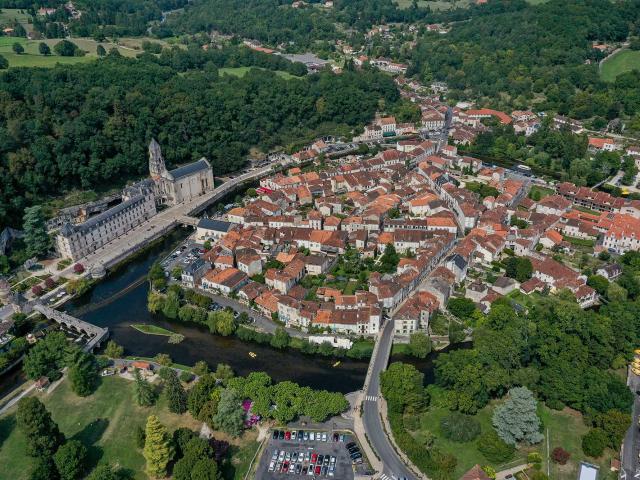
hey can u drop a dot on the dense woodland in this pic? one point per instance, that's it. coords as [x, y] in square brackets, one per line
[540, 54]
[89, 126]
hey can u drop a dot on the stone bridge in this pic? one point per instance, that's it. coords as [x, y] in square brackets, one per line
[96, 334]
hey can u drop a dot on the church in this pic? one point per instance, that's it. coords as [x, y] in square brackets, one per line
[181, 184]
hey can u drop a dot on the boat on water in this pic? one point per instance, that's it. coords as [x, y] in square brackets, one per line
[252, 355]
[337, 364]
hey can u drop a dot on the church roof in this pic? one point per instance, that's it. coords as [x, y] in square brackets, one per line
[216, 225]
[190, 169]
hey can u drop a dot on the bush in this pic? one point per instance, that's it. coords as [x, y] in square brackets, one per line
[594, 442]
[560, 455]
[37, 290]
[78, 268]
[494, 448]
[534, 457]
[411, 422]
[459, 427]
[185, 376]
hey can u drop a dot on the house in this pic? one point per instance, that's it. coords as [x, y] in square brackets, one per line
[415, 313]
[551, 238]
[610, 271]
[602, 144]
[193, 272]
[504, 285]
[226, 281]
[250, 263]
[553, 205]
[457, 265]
[209, 229]
[623, 235]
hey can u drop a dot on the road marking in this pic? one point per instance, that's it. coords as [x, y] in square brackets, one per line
[384, 477]
[371, 398]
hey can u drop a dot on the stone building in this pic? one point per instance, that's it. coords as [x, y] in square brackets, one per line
[77, 241]
[180, 184]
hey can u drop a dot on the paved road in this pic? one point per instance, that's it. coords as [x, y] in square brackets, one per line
[631, 446]
[393, 467]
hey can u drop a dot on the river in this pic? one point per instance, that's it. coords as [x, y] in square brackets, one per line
[120, 300]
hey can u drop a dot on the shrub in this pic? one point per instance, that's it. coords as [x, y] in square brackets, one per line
[412, 422]
[185, 376]
[37, 290]
[494, 448]
[534, 457]
[594, 442]
[459, 427]
[560, 455]
[78, 268]
[49, 283]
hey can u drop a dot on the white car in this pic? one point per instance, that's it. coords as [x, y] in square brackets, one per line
[312, 436]
[272, 466]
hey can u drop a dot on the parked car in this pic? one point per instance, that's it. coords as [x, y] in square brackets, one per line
[314, 457]
[294, 435]
[272, 466]
[275, 434]
[317, 470]
[287, 435]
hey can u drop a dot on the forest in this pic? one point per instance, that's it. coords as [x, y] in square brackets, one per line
[542, 54]
[89, 126]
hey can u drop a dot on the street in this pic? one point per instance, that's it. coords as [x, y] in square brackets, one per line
[393, 466]
[630, 467]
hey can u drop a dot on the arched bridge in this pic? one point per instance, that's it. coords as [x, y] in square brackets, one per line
[96, 334]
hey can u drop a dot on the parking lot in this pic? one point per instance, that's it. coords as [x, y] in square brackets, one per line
[320, 454]
[182, 256]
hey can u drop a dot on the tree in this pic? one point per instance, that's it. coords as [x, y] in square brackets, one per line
[175, 393]
[616, 293]
[44, 468]
[113, 350]
[144, 392]
[44, 49]
[18, 48]
[402, 386]
[171, 305]
[225, 323]
[280, 338]
[157, 448]
[389, 260]
[516, 419]
[78, 268]
[494, 448]
[598, 283]
[560, 455]
[196, 462]
[100, 51]
[224, 373]
[65, 48]
[70, 460]
[103, 472]
[41, 432]
[459, 427]
[419, 345]
[594, 442]
[615, 424]
[4, 63]
[200, 393]
[230, 415]
[176, 273]
[461, 307]
[200, 368]
[47, 357]
[36, 237]
[83, 373]
[519, 268]
[163, 359]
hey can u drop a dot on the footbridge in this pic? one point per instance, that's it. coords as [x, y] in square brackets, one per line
[96, 334]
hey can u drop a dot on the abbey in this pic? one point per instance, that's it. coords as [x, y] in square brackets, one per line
[182, 184]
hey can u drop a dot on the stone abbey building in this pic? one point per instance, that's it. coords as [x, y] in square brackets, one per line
[179, 185]
[165, 187]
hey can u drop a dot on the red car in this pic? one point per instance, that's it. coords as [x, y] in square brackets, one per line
[287, 435]
[317, 470]
[314, 457]
[285, 467]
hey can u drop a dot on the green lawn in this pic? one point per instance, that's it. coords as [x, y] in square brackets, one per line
[152, 330]
[242, 71]
[31, 57]
[565, 429]
[105, 422]
[544, 192]
[621, 62]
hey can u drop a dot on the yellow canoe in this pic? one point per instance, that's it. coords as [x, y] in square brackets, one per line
[337, 364]
[252, 355]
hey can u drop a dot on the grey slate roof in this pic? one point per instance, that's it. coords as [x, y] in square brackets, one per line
[217, 225]
[190, 169]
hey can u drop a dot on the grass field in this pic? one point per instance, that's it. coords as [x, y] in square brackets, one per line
[152, 330]
[621, 62]
[106, 422]
[565, 429]
[242, 71]
[127, 47]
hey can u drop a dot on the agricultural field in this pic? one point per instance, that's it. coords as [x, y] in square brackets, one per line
[621, 62]
[242, 71]
[105, 423]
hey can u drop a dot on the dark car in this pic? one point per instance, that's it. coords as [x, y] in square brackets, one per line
[324, 470]
[281, 435]
[300, 435]
[351, 444]
[353, 449]
[298, 469]
[336, 437]
[356, 455]
[320, 459]
[275, 434]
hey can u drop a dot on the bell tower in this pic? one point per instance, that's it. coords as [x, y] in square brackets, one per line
[156, 162]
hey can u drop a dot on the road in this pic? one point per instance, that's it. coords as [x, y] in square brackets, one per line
[631, 446]
[393, 466]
